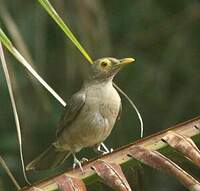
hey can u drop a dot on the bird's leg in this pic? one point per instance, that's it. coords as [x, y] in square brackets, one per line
[84, 160]
[77, 162]
[97, 149]
[104, 151]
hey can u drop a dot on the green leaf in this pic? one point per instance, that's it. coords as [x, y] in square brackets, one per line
[49, 8]
[4, 39]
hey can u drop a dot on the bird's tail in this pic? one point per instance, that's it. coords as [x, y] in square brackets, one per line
[50, 158]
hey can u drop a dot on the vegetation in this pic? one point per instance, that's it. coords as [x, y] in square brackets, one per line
[163, 36]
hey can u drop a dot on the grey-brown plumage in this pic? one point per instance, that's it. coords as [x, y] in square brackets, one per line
[89, 115]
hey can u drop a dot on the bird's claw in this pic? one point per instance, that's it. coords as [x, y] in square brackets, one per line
[105, 150]
[108, 151]
[79, 163]
[84, 160]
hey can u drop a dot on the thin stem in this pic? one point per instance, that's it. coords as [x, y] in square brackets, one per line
[8, 81]
[135, 108]
[5, 167]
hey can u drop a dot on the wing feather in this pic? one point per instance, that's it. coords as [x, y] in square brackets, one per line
[72, 110]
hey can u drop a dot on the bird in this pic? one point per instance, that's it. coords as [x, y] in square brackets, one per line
[88, 118]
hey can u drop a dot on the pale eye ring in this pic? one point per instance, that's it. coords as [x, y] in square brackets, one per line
[104, 64]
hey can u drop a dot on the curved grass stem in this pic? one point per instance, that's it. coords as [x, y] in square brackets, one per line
[8, 81]
[134, 107]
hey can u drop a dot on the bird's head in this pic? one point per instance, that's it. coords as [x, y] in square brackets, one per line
[106, 68]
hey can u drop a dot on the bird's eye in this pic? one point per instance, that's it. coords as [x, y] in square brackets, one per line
[104, 64]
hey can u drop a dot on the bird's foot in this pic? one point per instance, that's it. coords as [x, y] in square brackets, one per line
[104, 150]
[107, 151]
[79, 163]
[84, 160]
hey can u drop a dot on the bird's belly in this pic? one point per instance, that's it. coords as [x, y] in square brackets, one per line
[95, 129]
[99, 122]
[91, 128]
[95, 121]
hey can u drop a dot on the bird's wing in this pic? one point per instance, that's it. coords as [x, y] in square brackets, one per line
[120, 112]
[72, 110]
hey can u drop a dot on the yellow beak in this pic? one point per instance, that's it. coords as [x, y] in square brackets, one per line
[125, 61]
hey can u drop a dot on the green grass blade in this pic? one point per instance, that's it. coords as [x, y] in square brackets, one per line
[8, 44]
[9, 173]
[14, 107]
[49, 8]
[4, 39]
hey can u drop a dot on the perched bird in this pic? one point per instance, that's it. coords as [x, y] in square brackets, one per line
[88, 117]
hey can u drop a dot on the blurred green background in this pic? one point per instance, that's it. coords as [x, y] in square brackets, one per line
[164, 38]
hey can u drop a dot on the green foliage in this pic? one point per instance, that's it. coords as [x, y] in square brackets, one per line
[48, 7]
[164, 38]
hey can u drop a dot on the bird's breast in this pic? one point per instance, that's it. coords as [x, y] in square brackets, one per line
[104, 102]
[96, 119]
